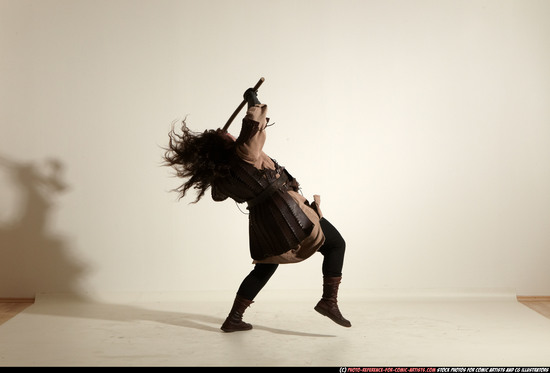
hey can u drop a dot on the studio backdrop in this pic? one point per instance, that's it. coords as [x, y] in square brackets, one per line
[424, 125]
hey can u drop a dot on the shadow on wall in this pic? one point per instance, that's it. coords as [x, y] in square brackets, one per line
[32, 258]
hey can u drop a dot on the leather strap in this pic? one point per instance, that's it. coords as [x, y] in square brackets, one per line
[267, 192]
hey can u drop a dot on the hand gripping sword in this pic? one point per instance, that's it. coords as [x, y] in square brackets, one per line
[240, 107]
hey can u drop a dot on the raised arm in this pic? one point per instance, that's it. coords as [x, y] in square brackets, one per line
[241, 105]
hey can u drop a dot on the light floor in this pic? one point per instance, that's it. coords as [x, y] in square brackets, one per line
[145, 330]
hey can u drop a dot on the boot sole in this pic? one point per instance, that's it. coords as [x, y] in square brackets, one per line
[225, 330]
[322, 312]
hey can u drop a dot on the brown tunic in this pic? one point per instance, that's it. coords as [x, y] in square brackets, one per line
[286, 229]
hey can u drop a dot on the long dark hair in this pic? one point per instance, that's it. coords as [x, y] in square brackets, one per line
[200, 157]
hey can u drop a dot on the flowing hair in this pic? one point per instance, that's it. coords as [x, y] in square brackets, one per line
[200, 157]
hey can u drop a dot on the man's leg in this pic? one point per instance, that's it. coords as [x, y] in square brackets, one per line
[250, 287]
[333, 251]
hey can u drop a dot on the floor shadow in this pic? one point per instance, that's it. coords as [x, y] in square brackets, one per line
[32, 257]
[79, 307]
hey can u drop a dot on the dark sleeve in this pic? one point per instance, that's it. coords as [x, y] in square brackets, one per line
[217, 195]
[249, 129]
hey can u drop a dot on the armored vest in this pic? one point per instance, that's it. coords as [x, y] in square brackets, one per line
[276, 222]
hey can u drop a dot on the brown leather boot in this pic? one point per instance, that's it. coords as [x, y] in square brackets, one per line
[328, 305]
[234, 321]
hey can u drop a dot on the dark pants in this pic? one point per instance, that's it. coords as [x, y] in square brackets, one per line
[333, 260]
